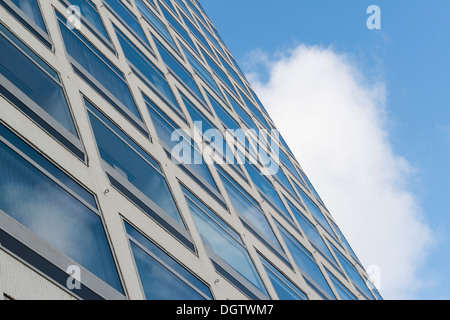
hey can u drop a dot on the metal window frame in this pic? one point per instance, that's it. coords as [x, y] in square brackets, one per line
[165, 265]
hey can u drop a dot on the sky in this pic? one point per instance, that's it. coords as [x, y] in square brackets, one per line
[367, 114]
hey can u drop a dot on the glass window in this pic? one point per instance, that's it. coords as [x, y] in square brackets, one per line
[284, 288]
[178, 28]
[55, 208]
[138, 176]
[148, 72]
[242, 114]
[266, 189]
[306, 263]
[315, 211]
[128, 19]
[342, 291]
[162, 277]
[251, 214]
[154, 21]
[224, 247]
[219, 73]
[311, 232]
[255, 111]
[195, 164]
[179, 71]
[101, 74]
[201, 71]
[213, 137]
[91, 18]
[353, 274]
[32, 86]
[29, 14]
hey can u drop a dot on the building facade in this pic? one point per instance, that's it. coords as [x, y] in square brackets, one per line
[138, 163]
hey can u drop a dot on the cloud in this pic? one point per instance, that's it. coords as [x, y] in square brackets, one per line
[336, 123]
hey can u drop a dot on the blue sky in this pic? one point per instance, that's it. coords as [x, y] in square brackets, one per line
[409, 56]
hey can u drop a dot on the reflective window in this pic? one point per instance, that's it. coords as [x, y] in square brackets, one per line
[315, 211]
[30, 84]
[284, 288]
[201, 71]
[342, 291]
[179, 71]
[178, 28]
[154, 21]
[353, 274]
[220, 74]
[266, 189]
[55, 208]
[135, 174]
[29, 14]
[91, 17]
[225, 247]
[245, 117]
[213, 137]
[162, 277]
[251, 214]
[306, 263]
[148, 72]
[311, 232]
[128, 19]
[100, 73]
[194, 164]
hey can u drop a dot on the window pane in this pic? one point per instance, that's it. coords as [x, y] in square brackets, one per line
[249, 210]
[143, 66]
[128, 18]
[134, 168]
[284, 288]
[165, 129]
[55, 215]
[343, 292]
[34, 83]
[31, 9]
[179, 70]
[90, 13]
[154, 21]
[162, 277]
[305, 261]
[223, 244]
[98, 67]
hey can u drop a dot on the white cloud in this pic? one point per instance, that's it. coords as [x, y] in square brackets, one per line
[335, 122]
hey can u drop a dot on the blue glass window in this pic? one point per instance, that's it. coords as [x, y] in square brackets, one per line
[242, 114]
[220, 74]
[213, 137]
[311, 232]
[101, 74]
[179, 71]
[178, 28]
[315, 211]
[201, 71]
[284, 288]
[154, 21]
[195, 166]
[266, 189]
[255, 111]
[251, 215]
[162, 277]
[29, 14]
[33, 87]
[128, 19]
[306, 263]
[148, 72]
[135, 174]
[225, 248]
[91, 18]
[342, 291]
[56, 209]
[353, 274]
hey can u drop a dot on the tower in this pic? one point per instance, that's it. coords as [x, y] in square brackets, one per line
[138, 163]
